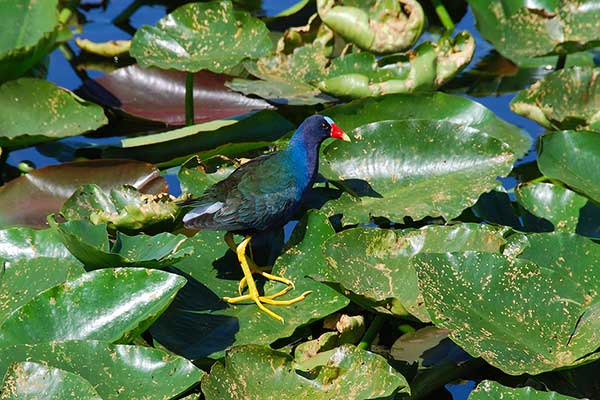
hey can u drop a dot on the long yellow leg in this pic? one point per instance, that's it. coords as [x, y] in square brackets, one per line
[253, 291]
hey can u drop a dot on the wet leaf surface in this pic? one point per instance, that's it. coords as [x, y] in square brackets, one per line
[201, 36]
[200, 324]
[30, 380]
[520, 29]
[109, 304]
[34, 110]
[21, 243]
[415, 168]
[375, 264]
[489, 390]
[573, 158]
[91, 244]
[159, 95]
[565, 99]
[28, 199]
[254, 372]
[118, 372]
[530, 311]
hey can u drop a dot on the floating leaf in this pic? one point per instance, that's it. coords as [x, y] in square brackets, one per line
[412, 347]
[530, 312]
[375, 264]
[108, 304]
[565, 99]
[91, 245]
[30, 380]
[377, 26]
[254, 372]
[489, 390]
[159, 95]
[30, 31]
[23, 279]
[200, 324]
[425, 68]
[194, 176]
[521, 29]
[111, 48]
[28, 199]
[35, 110]
[573, 158]
[415, 168]
[122, 208]
[557, 204]
[20, 243]
[430, 106]
[117, 372]
[201, 36]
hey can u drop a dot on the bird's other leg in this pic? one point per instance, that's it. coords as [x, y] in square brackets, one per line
[253, 291]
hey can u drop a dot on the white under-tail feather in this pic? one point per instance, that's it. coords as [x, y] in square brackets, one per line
[202, 210]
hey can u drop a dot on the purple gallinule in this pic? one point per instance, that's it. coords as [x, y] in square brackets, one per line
[261, 195]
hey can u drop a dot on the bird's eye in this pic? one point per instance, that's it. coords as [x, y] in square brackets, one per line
[325, 126]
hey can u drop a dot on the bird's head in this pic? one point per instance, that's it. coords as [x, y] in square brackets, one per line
[317, 128]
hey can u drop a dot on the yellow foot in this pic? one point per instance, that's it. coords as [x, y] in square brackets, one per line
[259, 300]
[249, 267]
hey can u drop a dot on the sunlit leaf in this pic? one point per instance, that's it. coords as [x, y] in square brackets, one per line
[34, 110]
[107, 304]
[201, 36]
[489, 390]
[253, 372]
[30, 380]
[117, 372]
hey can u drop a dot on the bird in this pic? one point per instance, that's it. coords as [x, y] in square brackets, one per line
[261, 195]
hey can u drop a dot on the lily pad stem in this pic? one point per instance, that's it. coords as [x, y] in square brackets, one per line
[371, 332]
[562, 60]
[443, 15]
[189, 98]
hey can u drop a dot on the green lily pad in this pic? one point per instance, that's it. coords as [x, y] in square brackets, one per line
[193, 37]
[430, 106]
[20, 243]
[520, 29]
[108, 304]
[31, 381]
[415, 168]
[30, 31]
[573, 158]
[425, 68]
[375, 264]
[531, 311]
[489, 390]
[557, 204]
[91, 245]
[565, 99]
[374, 25]
[35, 110]
[117, 372]
[122, 208]
[22, 279]
[195, 176]
[254, 372]
[28, 199]
[200, 324]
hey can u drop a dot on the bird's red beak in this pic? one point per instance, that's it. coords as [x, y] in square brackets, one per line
[337, 133]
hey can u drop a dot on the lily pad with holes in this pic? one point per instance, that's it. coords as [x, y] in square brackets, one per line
[200, 36]
[377, 26]
[414, 168]
[530, 311]
[375, 264]
[117, 372]
[255, 372]
[565, 99]
[35, 110]
[114, 305]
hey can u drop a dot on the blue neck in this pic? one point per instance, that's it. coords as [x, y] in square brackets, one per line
[305, 156]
